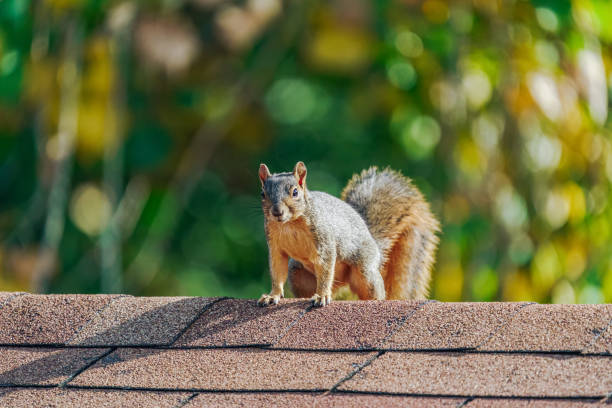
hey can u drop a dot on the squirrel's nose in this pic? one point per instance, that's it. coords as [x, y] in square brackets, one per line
[276, 211]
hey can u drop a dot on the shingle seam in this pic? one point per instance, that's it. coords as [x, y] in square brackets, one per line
[355, 371]
[290, 325]
[195, 319]
[197, 390]
[595, 398]
[596, 337]
[95, 316]
[266, 346]
[476, 351]
[475, 396]
[503, 324]
[133, 345]
[85, 367]
[403, 321]
[9, 385]
[187, 400]
[10, 298]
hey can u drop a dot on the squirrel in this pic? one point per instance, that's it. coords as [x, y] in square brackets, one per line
[380, 238]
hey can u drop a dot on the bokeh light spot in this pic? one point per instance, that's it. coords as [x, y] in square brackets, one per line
[510, 208]
[409, 44]
[8, 63]
[401, 74]
[544, 152]
[556, 209]
[477, 88]
[563, 293]
[486, 131]
[420, 136]
[544, 90]
[545, 268]
[546, 53]
[590, 294]
[520, 250]
[291, 101]
[547, 19]
[90, 209]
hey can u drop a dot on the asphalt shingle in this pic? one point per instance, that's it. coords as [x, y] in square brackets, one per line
[220, 369]
[531, 403]
[132, 321]
[551, 328]
[452, 325]
[75, 398]
[235, 322]
[47, 319]
[42, 366]
[255, 400]
[6, 297]
[348, 325]
[198, 352]
[474, 374]
[602, 343]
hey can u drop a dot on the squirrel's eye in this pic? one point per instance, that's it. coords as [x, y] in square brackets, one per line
[295, 192]
[263, 194]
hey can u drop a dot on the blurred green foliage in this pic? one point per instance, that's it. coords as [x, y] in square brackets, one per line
[131, 133]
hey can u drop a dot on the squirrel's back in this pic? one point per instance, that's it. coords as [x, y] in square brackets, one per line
[401, 222]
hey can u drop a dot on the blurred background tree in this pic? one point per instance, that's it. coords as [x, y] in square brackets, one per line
[131, 133]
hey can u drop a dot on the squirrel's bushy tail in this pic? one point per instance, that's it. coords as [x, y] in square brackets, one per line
[402, 224]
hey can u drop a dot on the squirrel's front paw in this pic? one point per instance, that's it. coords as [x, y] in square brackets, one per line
[319, 301]
[266, 300]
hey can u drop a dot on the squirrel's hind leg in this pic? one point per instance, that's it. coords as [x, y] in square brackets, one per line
[302, 282]
[365, 279]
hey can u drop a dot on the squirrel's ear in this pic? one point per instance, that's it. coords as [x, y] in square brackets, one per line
[264, 173]
[299, 171]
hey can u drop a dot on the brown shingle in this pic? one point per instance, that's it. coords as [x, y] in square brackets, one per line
[235, 322]
[141, 321]
[220, 369]
[551, 328]
[472, 374]
[530, 403]
[68, 398]
[155, 374]
[249, 400]
[601, 344]
[43, 366]
[6, 297]
[347, 325]
[47, 319]
[451, 325]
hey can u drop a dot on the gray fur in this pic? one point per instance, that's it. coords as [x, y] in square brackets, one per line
[340, 233]
[381, 228]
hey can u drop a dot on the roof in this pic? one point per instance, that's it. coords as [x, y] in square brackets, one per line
[114, 350]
